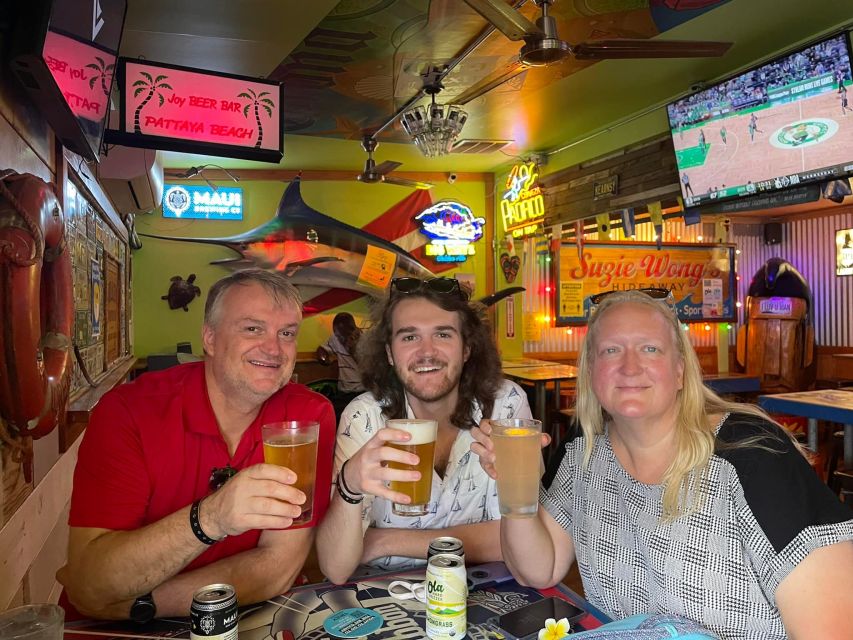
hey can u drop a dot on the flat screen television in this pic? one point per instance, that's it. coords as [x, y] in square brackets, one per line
[64, 52]
[784, 123]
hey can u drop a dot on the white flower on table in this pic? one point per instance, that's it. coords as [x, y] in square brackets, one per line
[555, 629]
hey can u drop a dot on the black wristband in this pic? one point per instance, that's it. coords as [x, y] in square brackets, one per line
[195, 525]
[344, 491]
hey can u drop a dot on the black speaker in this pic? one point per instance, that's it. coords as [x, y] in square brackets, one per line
[772, 233]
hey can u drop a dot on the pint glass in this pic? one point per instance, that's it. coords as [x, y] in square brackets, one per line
[518, 463]
[421, 444]
[293, 444]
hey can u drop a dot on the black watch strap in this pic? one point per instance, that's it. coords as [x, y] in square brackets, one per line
[143, 609]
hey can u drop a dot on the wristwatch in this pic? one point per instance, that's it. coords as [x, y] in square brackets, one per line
[143, 609]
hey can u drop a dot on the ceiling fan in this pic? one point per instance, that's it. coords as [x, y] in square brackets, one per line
[543, 46]
[374, 173]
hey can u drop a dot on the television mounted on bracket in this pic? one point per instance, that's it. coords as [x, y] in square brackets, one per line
[63, 52]
[778, 125]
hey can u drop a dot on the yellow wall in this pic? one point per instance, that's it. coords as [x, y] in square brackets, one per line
[157, 328]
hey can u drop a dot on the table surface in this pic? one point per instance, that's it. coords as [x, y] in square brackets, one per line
[826, 404]
[300, 613]
[514, 363]
[539, 374]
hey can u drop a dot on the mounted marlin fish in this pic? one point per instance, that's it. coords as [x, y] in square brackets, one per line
[314, 250]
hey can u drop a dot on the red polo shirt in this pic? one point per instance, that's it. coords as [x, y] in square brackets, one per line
[151, 444]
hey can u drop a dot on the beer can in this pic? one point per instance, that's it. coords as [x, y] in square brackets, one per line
[446, 597]
[446, 544]
[213, 613]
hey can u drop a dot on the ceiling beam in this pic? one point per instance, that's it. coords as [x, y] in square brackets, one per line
[286, 175]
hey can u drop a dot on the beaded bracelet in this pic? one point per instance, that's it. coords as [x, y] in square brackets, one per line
[195, 525]
[344, 491]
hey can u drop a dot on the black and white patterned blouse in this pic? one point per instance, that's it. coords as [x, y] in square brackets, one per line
[763, 513]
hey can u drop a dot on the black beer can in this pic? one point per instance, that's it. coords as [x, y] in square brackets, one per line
[213, 613]
[446, 544]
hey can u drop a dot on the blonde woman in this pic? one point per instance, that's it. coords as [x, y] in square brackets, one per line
[676, 501]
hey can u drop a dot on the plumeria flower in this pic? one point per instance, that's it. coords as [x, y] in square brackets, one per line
[554, 629]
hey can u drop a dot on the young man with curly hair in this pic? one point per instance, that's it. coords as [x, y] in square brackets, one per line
[428, 355]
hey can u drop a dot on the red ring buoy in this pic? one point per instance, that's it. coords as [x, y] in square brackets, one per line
[37, 306]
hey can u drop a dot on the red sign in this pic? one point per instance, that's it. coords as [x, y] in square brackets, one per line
[176, 108]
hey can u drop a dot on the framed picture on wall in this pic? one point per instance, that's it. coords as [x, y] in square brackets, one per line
[701, 277]
[97, 298]
[844, 252]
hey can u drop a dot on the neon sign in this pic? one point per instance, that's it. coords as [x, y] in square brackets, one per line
[170, 107]
[522, 206]
[451, 228]
[180, 201]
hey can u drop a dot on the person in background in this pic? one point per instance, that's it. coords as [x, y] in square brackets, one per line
[170, 491]
[676, 501]
[429, 354]
[341, 347]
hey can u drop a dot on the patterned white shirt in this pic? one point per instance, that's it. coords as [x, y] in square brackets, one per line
[763, 512]
[465, 495]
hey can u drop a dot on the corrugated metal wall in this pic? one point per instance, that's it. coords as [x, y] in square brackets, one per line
[809, 244]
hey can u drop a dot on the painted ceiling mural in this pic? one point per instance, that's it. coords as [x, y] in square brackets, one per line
[366, 58]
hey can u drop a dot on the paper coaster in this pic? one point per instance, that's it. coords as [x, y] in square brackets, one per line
[352, 623]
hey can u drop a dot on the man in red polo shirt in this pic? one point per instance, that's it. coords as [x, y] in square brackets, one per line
[170, 490]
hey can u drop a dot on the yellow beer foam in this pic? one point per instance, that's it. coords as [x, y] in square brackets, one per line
[422, 431]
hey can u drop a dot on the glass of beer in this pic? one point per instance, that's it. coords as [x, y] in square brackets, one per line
[293, 444]
[518, 463]
[422, 444]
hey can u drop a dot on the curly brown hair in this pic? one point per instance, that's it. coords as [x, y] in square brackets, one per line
[481, 374]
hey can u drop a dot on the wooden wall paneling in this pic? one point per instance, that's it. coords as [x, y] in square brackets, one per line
[29, 148]
[647, 172]
[41, 577]
[29, 532]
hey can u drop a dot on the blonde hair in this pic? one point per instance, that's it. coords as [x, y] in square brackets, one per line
[695, 434]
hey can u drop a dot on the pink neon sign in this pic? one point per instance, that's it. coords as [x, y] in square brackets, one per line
[82, 72]
[201, 107]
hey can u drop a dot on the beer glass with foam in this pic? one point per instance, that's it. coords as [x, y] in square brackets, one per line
[293, 444]
[422, 444]
[518, 463]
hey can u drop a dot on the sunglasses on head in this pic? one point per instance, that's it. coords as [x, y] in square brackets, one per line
[444, 286]
[220, 475]
[657, 293]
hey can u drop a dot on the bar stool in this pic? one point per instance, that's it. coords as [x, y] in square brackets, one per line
[844, 480]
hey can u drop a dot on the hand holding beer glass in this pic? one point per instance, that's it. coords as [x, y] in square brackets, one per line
[518, 463]
[422, 443]
[293, 444]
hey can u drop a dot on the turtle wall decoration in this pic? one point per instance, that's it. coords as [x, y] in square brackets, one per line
[181, 292]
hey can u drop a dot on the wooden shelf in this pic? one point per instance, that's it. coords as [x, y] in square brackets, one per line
[80, 406]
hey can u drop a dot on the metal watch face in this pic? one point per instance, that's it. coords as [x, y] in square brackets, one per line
[143, 609]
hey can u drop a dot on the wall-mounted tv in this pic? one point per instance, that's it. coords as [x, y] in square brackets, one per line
[783, 123]
[64, 54]
[174, 108]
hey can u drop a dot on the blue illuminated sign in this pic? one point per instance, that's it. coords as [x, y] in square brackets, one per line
[202, 203]
[451, 228]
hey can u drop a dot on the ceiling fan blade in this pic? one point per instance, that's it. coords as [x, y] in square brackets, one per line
[490, 82]
[620, 49]
[506, 19]
[386, 167]
[405, 182]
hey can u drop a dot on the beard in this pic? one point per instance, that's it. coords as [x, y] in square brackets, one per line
[438, 386]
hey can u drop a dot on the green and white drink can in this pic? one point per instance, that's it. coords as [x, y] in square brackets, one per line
[447, 597]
